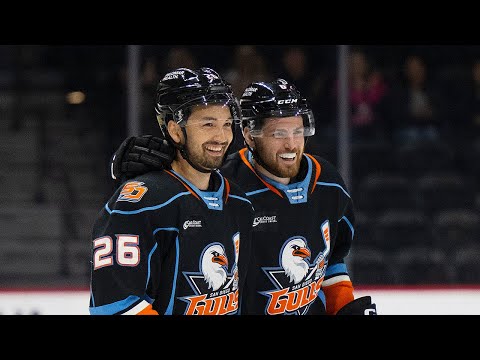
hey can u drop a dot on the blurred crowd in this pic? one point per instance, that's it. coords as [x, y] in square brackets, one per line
[418, 95]
[397, 93]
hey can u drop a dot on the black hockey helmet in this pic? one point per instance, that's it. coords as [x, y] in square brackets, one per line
[183, 88]
[262, 100]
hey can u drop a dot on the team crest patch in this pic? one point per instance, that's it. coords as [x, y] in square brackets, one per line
[132, 191]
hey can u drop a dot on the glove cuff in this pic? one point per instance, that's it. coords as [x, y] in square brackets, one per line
[360, 306]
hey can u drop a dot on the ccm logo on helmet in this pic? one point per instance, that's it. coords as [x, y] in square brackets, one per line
[287, 101]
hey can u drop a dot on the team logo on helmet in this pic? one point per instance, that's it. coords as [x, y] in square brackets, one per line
[211, 77]
[179, 115]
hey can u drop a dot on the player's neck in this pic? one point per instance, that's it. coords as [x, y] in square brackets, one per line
[197, 178]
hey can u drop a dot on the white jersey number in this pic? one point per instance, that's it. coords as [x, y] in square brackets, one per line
[127, 252]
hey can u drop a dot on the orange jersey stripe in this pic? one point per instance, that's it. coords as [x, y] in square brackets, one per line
[183, 183]
[148, 311]
[318, 170]
[245, 160]
[227, 189]
[337, 295]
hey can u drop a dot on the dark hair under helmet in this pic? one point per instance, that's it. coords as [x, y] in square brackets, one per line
[279, 98]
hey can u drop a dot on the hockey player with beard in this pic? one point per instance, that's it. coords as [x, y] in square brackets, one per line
[157, 247]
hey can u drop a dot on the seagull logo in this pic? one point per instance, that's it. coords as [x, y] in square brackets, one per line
[216, 289]
[297, 280]
[214, 267]
[294, 256]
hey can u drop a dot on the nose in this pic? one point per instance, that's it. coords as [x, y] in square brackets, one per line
[222, 134]
[289, 142]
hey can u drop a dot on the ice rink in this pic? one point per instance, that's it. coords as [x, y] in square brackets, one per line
[390, 301]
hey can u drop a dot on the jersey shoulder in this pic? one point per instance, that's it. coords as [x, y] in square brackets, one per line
[232, 164]
[150, 189]
[329, 172]
[239, 168]
[236, 190]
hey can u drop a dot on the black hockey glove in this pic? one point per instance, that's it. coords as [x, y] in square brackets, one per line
[138, 155]
[360, 306]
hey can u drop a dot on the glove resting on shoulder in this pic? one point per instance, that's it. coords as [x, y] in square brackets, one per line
[360, 306]
[137, 155]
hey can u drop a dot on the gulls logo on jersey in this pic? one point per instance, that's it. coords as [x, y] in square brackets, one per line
[297, 281]
[216, 289]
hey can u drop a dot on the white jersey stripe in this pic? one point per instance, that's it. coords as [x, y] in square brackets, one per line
[335, 280]
[137, 308]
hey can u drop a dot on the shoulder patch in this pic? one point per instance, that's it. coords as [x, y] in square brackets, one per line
[132, 191]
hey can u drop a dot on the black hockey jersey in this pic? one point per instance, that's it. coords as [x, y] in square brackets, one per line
[301, 234]
[160, 245]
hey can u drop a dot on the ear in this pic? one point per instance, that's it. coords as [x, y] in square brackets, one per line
[175, 131]
[248, 138]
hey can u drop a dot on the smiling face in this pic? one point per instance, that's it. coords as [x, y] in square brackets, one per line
[280, 147]
[209, 133]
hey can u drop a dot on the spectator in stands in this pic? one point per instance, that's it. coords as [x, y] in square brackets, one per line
[248, 66]
[416, 107]
[367, 94]
[297, 67]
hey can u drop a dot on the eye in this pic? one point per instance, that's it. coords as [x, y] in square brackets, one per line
[279, 134]
[298, 132]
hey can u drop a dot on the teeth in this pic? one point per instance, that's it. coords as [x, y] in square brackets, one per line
[288, 156]
[214, 148]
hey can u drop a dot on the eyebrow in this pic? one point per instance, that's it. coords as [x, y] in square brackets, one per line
[286, 128]
[209, 118]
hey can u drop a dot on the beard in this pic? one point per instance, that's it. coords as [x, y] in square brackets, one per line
[272, 165]
[205, 160]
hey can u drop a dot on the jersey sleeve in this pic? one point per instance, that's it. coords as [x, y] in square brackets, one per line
[337, 286]
[245, 258]
[122, 247]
